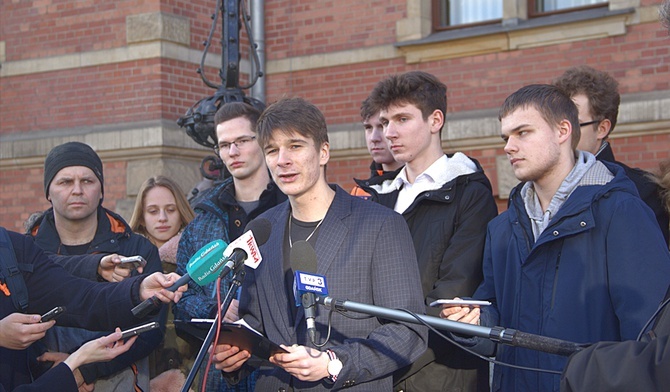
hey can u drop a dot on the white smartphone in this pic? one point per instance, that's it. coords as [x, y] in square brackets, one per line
[133, 262]
[139, 329]
[459, 302]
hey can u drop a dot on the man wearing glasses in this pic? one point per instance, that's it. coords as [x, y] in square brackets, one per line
[224, 214]
[597, 98]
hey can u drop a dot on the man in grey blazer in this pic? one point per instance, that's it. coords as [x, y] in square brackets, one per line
[363, 249]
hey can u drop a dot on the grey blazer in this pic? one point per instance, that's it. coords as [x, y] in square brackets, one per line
[365, 252]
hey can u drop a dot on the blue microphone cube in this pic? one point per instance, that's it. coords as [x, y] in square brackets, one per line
[308, 283]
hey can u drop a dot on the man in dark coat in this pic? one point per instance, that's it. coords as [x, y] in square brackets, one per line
[93, 305]
[447, 202]
[597, 98]
[640, 365]
[563, 261]
[383, 166]
[361, 248]
[224, 214]
[633, 365]
[78, 224]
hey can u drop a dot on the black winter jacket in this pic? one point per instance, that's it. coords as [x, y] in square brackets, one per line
[448, 228]
[630, 365]
[112, 236]
[649, 191]
[98, 306]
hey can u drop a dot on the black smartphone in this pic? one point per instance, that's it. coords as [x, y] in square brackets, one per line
[133, 262]
[52, 314]
[139, 329]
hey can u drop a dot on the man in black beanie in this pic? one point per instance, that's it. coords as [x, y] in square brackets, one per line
[77, 224]
[72, 154]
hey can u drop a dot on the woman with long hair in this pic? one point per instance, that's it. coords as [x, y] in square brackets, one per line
[161, 212]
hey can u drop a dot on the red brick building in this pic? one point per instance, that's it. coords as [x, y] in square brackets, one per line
[117, 75]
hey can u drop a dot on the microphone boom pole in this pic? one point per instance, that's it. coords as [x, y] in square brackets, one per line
[502, 335]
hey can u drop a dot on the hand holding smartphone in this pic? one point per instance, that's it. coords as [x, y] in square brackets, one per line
[139, 329]
[459, 302]
[133, 262]
[52, 314]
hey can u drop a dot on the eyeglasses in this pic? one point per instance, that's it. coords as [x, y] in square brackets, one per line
[589, 123]
[240, 143]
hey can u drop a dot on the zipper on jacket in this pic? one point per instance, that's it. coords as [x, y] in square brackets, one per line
[553, 290]
[517, 221]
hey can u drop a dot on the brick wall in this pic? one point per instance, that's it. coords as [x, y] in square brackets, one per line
[21, 193]
[65, 101]
[640, 61]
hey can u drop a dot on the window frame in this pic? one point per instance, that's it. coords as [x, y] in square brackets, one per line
[435, 12]
[534, 13]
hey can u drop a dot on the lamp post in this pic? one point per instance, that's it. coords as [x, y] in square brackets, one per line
[198, 121]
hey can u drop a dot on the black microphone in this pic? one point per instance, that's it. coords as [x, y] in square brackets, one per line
[245, 248]
[303, 259]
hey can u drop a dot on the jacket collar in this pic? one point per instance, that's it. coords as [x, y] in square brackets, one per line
[606, 153]
[110, 225]
[578, 203]
[387, 185]
[222, 197]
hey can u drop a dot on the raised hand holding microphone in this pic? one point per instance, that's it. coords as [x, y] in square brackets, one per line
[201, 268]
[204, 266]
[161, 286]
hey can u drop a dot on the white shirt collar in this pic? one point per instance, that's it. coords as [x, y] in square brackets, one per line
[443, 170]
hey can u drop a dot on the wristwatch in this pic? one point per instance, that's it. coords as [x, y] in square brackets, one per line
[334, 366]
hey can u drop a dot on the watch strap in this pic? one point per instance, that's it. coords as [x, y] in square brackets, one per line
[333, 357]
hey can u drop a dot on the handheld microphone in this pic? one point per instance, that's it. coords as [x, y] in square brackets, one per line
[200, 268]
[245, 248]
[307, 282]
[203, 266]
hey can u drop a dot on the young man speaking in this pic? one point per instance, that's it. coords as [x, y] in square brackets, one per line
[363, 249]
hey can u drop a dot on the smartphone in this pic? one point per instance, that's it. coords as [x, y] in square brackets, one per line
[459, 302]
[52, 314]
[133, 262]
[138, 330]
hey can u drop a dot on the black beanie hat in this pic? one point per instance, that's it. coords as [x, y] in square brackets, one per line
[71, 154]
